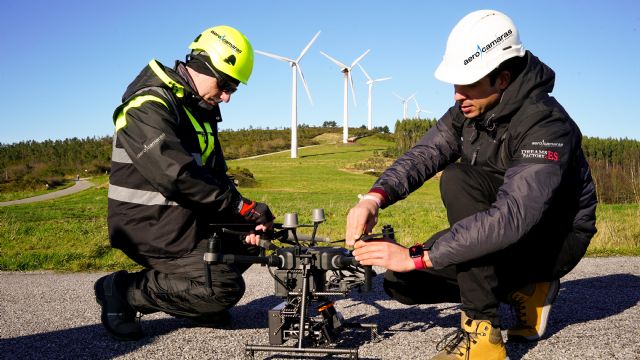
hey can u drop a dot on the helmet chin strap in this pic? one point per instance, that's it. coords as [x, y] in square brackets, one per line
[501, 96]
[205, 105]
[202, 103]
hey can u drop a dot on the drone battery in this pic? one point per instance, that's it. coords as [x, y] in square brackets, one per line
[276, 335]
[283, 280]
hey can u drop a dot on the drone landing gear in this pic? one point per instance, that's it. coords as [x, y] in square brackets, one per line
[318, 331]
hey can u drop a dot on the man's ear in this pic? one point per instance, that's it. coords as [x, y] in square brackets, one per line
[504, 79]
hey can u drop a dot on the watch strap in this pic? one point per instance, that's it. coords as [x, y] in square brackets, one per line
[417, 260]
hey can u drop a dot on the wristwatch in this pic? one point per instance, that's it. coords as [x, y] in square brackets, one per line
[416, 252]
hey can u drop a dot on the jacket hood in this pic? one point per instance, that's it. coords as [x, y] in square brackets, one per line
[159, 76]
[536, 79]
[149, 78]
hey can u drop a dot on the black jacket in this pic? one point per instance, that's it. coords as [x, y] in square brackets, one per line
[161, 193]
[527, 141]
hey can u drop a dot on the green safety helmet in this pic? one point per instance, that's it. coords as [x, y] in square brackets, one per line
[228, 49]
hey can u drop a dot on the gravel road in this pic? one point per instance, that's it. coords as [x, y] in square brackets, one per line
[77, 187]
[54, 316]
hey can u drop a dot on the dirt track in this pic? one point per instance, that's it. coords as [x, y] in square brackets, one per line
[77, 187]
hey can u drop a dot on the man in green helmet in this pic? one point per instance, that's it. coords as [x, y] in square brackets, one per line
[168, 183]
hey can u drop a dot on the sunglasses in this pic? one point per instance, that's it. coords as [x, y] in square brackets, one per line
[224, 84]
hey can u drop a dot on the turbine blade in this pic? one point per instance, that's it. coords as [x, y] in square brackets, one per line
[359, 58]
[334, 60]
[411, 97]
[308, 46]
[353, 91]
[365, 73]
[398, 96]
[418, 110]
[304, 82]
[382, 79]
[274, 56]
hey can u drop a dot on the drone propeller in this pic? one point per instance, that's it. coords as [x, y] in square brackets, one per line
[368, 237]
[387, 233]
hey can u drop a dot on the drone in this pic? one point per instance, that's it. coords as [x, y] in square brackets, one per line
[306, 276]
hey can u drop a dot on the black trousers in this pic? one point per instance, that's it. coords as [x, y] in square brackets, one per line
[544, 254]
[178, 286]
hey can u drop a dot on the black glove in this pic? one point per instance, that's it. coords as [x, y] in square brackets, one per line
[255, 212]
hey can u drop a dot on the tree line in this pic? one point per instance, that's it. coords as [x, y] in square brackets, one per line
[615, 167]
[29, 165]
[33, 165]
[615, 163]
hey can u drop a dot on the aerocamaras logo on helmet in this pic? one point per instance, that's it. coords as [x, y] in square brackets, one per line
[227, 42]
[488, 47]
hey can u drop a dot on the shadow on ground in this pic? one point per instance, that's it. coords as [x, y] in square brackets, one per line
[579, 301]
[85, 342]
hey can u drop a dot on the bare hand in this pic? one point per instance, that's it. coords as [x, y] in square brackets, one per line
[361, 220]
[385, 253]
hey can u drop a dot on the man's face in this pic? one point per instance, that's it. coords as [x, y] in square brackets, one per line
[210, 92]
[477, 98]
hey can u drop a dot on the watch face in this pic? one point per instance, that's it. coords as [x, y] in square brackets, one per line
[416, 251]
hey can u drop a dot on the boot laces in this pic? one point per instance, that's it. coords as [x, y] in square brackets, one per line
[457, 342]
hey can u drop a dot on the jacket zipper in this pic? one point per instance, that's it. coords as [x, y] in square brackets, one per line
[490, 126]
[475, 156]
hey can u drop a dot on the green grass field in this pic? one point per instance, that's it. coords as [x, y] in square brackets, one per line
[69, 233]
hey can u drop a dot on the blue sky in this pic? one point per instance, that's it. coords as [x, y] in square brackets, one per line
[65, 64]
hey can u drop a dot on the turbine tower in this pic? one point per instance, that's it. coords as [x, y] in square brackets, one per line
[419, 109]
[370, 82]
[295, 64]
[405, 104]
[346, 70]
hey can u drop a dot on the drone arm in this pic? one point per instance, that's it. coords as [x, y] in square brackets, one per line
[271, 260]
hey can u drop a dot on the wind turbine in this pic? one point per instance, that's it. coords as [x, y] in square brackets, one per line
[295, 64]
[370, 82]
[404, 104]
[346, 70]
[419, 109]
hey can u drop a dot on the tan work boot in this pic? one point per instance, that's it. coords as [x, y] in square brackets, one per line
[532, 305]
[475, 340]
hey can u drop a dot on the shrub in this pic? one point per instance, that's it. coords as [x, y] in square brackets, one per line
[242, 177]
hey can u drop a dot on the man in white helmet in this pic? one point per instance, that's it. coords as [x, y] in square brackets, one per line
[516, 186]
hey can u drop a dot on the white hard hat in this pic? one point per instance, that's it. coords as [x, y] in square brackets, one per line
[480, 42]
